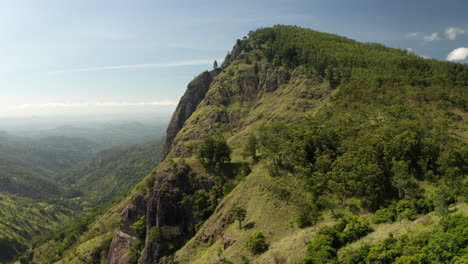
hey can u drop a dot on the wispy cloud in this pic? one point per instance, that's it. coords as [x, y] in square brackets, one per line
[458, 54]
[432, 37]
[100, 104]
[137, 66]
[453, 32]
[413, 35]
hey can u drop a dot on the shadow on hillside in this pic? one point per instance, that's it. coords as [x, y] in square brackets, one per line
[249, 225]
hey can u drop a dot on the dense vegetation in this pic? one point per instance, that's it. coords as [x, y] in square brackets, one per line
[111, 173]
[47, 182]
[446, 243]
[23, 218]
[306, 145]
[388, 141]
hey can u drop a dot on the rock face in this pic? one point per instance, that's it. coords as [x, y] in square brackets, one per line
[118, 252]
[125, 236]
[166, 210]
[196, 91]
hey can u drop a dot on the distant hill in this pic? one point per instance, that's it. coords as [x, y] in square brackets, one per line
[47, 180]
[111, 173]
[104, 135]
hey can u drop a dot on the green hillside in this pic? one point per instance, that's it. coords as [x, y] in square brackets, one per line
[304, 147]
[111, 173]
[23, 218]
[33, 206]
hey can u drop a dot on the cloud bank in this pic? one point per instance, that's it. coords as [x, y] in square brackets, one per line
[165, 107]
[458, 54]
[138, 66]
[97, 104]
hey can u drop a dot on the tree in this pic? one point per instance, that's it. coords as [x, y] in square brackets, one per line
[441, 200]
[213, 152]
[238, 213]
[402, 179]
[250, 149]
[215, 65]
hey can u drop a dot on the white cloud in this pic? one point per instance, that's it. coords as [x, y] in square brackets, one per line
[432, 37]
[453, 32]
[458, 54]
[139, 66]
[409, 51]
[413, 35]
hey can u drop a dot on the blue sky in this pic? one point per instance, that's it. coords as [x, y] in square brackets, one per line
[83, 56]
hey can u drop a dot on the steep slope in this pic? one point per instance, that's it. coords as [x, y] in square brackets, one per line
[22, 218]
[326, 134]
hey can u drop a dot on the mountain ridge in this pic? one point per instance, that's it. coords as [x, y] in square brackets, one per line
[342, 130]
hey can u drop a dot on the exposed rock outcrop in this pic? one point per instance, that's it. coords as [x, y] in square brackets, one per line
[196, 91]
[125, 236]
[166, 210]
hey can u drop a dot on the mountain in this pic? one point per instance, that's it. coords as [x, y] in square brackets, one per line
[46, 182]
[303, 147]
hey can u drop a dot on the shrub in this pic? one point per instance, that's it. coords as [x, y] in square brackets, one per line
[385, 215]
[140, 227]
[320, 250]
[213, 152]
[257, 243]
[355, 228]
[303, 220]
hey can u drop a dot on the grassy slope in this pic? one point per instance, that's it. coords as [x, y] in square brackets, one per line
[96, 239]
[269, 214]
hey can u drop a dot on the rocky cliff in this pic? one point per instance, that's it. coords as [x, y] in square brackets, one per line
[195, 93]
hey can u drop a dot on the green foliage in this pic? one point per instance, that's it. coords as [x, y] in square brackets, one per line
[111, 173]
[250, 149]
[140, 227]
[446, 244]
[441, 200]
[303, 220]
[135, 250]
[320, 250]
[238, 214]
[257, 243]
[385, 215]
[323, 247]
[155, 234]
[23, 218]
[213, 153]
[402, 179]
